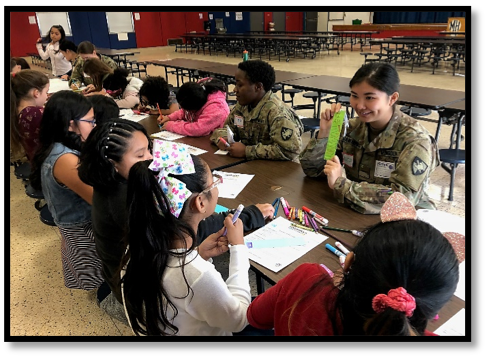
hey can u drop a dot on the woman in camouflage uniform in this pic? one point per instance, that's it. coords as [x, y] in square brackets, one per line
[383, 150]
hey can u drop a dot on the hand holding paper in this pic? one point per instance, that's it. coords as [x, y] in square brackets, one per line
[334, 135]
[230, 135]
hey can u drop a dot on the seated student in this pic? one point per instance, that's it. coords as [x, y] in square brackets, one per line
[69, 51]
[264, 125]
[97, 71]
[105, 108]
[21, 62]
[14, 67]
[397, 278]
[107, 156]
[383, 151]
[28, 94]
[67, 121]
[86, 50]
[170, 286]
[155, 92]
[123, 88]
[204, 108]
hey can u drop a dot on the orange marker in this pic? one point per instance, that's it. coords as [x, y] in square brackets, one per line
[224, 142]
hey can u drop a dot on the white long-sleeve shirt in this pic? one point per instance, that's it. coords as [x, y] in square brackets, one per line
[130, 96]
[216, 307]
[60, 65]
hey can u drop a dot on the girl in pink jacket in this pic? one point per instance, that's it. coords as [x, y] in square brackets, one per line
[204, 108]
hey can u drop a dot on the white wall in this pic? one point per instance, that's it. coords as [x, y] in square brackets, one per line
[325, 25]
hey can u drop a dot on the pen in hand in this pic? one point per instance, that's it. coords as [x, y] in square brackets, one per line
[224, 142]
[161, 116]
[235, 217]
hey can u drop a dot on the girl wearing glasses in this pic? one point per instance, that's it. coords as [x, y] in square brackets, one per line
[67, 121]
[170, 286]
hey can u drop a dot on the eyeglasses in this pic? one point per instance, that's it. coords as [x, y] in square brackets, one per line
[92, 122]
[146, 104]
[214, 184]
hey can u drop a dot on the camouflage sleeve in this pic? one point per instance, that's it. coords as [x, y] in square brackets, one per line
[111, 63]
[411, 177]
[286, 142]
[222, 132]
[76, 75]
[311, 159]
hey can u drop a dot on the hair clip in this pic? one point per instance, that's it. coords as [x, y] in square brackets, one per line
[457, 241]
[398, 299]
[13, 75]
[398, 207]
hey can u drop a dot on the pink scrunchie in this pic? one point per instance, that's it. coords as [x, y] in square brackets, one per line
[398, 299]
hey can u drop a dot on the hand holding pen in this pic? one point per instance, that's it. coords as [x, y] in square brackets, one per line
[162, 118]
[224, 142]
[235, 217]
[234, 231]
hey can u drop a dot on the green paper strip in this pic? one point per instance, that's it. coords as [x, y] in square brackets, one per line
[334, 137]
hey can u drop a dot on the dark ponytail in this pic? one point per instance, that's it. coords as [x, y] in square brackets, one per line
[192, 96]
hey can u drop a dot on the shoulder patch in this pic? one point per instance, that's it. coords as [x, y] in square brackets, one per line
[286, 133]
[418, 167]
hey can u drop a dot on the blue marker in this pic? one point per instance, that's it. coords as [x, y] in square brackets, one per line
[334, 250]
[234, 218]
[276, 209]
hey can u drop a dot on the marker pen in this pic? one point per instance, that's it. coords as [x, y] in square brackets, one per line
[342, 261]
[301, 227]
[317, 217]
[334, 250]
[314, 224]
[224, 142]
[234, 218]
[329, 271]
[342, 248]
[161, 116]
[285, 207]
[276, 209]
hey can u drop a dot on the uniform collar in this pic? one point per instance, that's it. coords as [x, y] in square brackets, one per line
[254, 113]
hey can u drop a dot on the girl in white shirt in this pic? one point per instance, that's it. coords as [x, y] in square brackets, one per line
[60, 65]
[169, 285]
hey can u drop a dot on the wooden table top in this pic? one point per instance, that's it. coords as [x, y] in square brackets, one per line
[185, 63]
[214, 161]
[275, 179]
[408, 94]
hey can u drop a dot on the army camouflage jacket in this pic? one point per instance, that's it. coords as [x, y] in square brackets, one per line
[77, 76]
[400, 159]
[271, 130]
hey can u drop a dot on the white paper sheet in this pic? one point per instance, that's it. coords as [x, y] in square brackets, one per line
[194, 150]
[56, 84]
[221, 152]
[167, 135]
[453, 327]
[442, 221]
[233, 184]
[277, 258]
[460, 288]
[128, 114]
